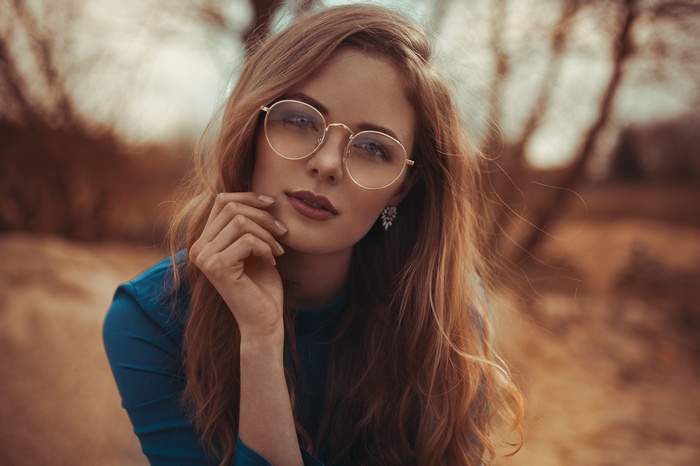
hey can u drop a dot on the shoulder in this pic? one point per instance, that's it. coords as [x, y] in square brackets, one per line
[152, 286]
[149, 299]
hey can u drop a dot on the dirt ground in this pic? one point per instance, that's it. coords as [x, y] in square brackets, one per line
[606, 351]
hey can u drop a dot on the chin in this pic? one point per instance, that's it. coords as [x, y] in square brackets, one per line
[309, 244]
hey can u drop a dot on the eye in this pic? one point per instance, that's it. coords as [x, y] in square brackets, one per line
[373, 149]
[300, 120]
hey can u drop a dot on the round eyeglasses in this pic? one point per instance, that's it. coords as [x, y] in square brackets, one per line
[295, 130]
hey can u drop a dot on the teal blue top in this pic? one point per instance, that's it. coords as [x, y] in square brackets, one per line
[143, 334]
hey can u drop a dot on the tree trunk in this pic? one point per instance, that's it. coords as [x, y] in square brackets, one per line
[575, 172]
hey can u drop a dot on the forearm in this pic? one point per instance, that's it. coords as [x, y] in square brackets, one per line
[266, 422]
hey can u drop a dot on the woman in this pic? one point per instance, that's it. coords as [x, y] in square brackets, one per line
[324, 305]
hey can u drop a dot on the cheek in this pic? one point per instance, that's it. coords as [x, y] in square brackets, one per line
[265, 167]
[258, 174]
[373, 205]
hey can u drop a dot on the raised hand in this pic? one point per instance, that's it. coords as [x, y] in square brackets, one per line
[236, 252]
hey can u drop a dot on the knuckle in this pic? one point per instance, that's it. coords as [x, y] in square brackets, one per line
[200, 257]
[239, 220]
[194, 252]
[211, 265]
[248, 240]
[219, 202]
[230, 208]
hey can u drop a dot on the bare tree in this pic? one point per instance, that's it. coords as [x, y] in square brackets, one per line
[82, 185]
[622, 51]
[56, 173]
[55, 106]
[670, 47]
[436, 18]
[263, 13]
[509, 173]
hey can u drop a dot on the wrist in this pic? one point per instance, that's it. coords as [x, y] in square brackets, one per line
[262, 344]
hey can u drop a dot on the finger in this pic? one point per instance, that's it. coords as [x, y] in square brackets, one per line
[248, 246]
[238, 219]
[232, 208]
[239, 226]
[228, 263]
[247, 198]
[204, 251]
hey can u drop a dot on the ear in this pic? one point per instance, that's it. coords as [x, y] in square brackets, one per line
[402, 192]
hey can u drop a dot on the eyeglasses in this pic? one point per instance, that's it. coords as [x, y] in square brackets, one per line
[295, 130]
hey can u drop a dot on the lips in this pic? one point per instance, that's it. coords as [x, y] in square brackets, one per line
[313, 200]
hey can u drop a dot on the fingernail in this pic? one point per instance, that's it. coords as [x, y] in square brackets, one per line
[280, 248]
[266, 199]
[280, 227]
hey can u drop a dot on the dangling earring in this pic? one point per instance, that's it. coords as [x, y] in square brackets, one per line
[388, 216]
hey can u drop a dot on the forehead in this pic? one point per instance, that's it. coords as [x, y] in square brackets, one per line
[362, 89]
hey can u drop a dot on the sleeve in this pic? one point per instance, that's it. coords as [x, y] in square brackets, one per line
[145, 361]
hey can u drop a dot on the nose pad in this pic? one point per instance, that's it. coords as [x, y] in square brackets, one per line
[327, 162]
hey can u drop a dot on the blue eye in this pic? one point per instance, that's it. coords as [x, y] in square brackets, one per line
[373, 150]
[300, 120]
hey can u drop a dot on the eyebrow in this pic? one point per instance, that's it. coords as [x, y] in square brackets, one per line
[324, 111]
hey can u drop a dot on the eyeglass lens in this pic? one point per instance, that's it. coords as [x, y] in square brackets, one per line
[295, 130]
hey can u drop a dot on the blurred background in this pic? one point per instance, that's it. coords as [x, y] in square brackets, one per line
[588, 110]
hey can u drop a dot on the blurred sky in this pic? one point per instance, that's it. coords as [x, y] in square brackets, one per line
[157, 72]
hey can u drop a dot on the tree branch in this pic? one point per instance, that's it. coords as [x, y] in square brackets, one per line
[516, 154]
[623, 49]
[16, 90]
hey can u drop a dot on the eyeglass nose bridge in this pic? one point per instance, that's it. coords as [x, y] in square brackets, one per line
[320, 140]
[340, 125]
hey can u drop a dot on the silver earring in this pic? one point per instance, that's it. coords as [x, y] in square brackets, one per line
[388, 216]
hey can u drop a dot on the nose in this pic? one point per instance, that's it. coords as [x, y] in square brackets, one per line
[327, 162]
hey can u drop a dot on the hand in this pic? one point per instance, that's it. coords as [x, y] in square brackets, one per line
[236, 252]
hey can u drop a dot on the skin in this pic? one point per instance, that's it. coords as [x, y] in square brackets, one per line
[239, 250]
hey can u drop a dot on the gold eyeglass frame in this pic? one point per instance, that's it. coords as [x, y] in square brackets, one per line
[346, 152]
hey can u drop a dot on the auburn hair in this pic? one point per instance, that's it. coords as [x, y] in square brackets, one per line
[412, 376]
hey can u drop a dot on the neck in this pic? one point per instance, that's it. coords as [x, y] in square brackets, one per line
[318, 279]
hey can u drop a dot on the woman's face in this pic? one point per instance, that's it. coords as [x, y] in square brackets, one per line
[362, 91]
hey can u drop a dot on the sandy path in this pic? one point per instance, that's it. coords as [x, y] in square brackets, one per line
[60, 405]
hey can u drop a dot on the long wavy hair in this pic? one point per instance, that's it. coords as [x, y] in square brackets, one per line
[412, 376]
